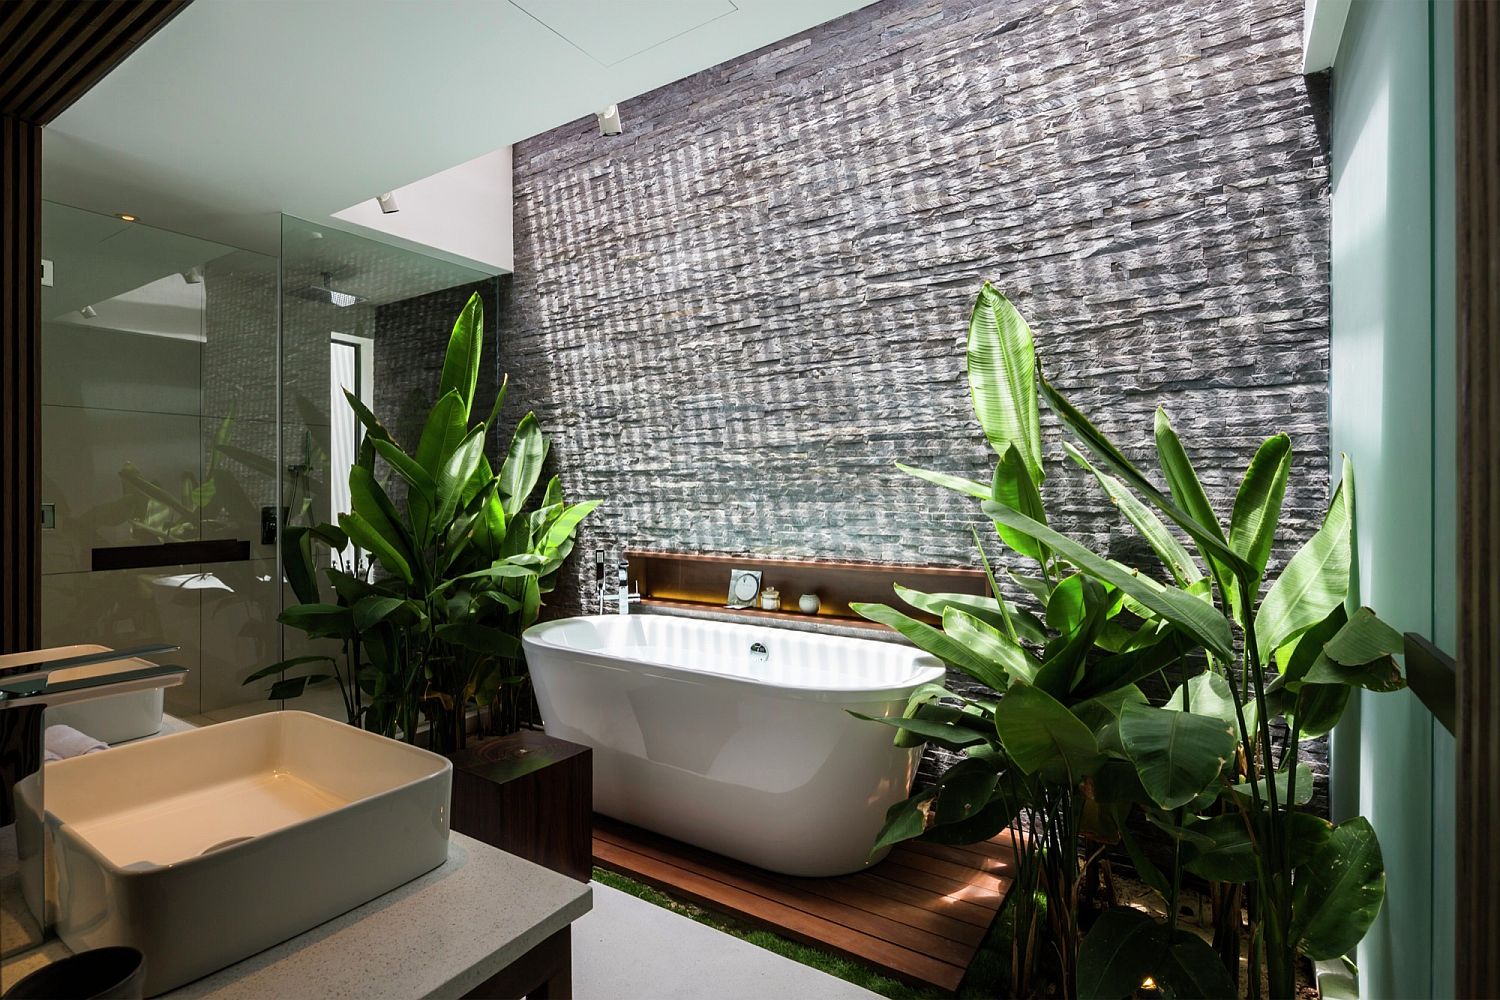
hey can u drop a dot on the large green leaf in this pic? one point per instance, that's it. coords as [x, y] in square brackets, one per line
[986, 609]
[1314, 582]
[372, 610]
[461, 362]
[1177, 754]
[1205, 531]
[374, 429]
[934, 641]
[1257, 506]
[319, 621]
[370, 501]
[283, 665]
[964, 790]
[1127, 945]
[1013, 487]
[1304, 787]
[1337, 894]
[1208, 694]
[367, 538]
[523, 465]
[480, 639]
[447, 425]
[297, 560]
[1360, 654]
[567, 522]
[1004, 660]
[1042, 736]
[1168, 549]
[1113, 672]
[957, 484]
[456, 474]
[1002, 378]
[944, 734]
[1364, 638]
[1187, 491]
[904, 820]
[408, 468]
[1196, 617]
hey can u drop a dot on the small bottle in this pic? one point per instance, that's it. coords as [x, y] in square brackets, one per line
[770, 599]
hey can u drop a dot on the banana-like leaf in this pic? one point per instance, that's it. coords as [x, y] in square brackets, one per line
[1013, 487]
[1207, 694]
[370, 501]
[567, 522]
[957, 484]
[1127, 945]
[934, 641]
[531, 600]
[1002, 378]
[904, 820]
[964, 790]
[1314, 581]
[1257, 507]
[986, 609]
[1303, 788]
[447, 425]
[1003, 659]
[374, 429]
[1177, 754]
[297, 560]
[461, 362]
[1197, 618]
[944, 734]
[1230, 854]
[1337, 894]
[362, 534]
[1187, 491]
[319, 621]
[372, 610]
[1168, 549]
[523, 465]
[408, 468]
[1363, 639]
[1207, 533]
[1041, 736]
[456, 474]
[480, 638]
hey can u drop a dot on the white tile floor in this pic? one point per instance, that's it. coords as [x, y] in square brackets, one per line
[629, 949]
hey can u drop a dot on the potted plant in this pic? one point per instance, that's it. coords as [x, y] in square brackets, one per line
[459, 566]
[1069, 748]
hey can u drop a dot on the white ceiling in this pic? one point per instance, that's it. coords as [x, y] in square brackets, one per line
[238, 111]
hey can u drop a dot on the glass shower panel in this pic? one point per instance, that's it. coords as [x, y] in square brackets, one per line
[158, 450]
[361, 315]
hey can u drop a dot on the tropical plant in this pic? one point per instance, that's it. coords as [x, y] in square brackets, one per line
[460, 566]
[1071, 746]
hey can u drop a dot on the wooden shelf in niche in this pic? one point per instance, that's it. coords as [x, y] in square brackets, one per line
[701, 582]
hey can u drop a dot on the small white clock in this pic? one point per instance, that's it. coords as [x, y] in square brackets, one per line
[744, 585]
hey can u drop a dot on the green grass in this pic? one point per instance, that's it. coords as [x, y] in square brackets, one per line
[986, 978]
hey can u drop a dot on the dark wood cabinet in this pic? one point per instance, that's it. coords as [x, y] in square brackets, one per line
[531, 795]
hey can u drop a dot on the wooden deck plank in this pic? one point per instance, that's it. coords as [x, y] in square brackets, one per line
[920, 915]
[789, 893]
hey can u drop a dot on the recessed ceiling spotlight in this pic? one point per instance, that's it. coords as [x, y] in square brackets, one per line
[609, 120]
[193, 275]
[88, 312]
[387, 203]
[124, 216]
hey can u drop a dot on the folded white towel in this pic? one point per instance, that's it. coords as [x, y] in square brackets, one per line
[64, 741]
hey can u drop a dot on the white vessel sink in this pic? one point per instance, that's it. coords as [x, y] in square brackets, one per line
[204, 847]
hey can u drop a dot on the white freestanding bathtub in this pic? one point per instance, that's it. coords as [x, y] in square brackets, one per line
[734, 737]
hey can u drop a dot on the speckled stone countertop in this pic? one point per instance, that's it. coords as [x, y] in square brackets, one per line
[438, 936]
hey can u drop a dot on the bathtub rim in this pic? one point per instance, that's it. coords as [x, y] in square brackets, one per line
[926, 668]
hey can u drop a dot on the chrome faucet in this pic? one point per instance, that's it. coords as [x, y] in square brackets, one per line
[29, 685]
[622, 597]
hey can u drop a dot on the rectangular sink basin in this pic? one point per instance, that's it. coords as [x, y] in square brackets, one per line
[204, 847]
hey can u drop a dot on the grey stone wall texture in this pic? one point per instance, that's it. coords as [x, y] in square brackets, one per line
[734, 318]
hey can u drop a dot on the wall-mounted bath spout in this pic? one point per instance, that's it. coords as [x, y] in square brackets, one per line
[622, 597]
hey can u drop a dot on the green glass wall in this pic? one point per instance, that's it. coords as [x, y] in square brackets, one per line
[1393, 381]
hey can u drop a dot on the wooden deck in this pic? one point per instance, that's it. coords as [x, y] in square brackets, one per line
[920, 915]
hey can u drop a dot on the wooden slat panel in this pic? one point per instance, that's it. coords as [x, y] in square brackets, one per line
[1477, 119]
[918, 916]
[55, 51]
[20, 385]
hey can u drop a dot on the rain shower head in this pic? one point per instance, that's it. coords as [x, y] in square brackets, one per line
[327, 293]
